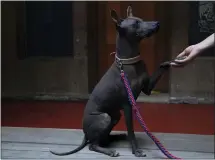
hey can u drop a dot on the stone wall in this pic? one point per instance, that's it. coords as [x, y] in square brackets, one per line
[196, 80]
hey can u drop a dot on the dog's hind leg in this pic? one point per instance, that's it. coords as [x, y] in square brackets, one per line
[98, 131]
[131, 136]
[97, 148]
[115, 118]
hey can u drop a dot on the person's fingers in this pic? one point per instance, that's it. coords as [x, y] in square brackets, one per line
[185, 57]
[189, 58]
[186, 52]
[185, 60]
[173, 64]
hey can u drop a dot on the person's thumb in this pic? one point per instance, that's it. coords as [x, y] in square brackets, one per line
[186, 52]
[181, 54]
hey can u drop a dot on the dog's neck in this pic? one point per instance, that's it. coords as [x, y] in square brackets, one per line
[126, 49]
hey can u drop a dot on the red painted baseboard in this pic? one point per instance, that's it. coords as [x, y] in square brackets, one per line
[166, 118]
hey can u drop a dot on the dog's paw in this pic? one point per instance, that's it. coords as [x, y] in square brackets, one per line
[165, 65]
[139, 153]
[114, 153]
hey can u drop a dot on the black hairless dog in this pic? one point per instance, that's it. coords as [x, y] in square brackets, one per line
[102, 111]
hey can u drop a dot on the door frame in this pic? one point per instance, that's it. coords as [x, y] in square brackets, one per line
[96, 44]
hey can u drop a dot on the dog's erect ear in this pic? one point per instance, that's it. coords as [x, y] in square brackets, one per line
[114, 16]
[117, 21]
[129, 11]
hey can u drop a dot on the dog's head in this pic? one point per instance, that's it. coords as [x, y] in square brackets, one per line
[133, 28]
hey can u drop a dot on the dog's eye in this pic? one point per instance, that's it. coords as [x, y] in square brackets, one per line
[137, 23]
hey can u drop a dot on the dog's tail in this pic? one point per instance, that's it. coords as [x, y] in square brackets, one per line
[84, 143]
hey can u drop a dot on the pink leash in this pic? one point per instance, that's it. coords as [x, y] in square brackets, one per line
[140, 119]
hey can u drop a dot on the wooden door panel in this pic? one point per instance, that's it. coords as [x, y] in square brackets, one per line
[102, 33]
[111, 31]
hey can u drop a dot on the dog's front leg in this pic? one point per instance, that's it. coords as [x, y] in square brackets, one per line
[130, 129]
[152, 81]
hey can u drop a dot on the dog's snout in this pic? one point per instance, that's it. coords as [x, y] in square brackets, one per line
[156, 24]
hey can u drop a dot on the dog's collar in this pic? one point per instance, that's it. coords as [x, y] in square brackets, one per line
[128, 60]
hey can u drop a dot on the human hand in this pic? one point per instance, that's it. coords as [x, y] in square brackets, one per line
[186, 56]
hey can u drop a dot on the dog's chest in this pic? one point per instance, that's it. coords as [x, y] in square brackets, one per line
[137, 78]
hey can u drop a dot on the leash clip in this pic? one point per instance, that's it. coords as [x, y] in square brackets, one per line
[120, 66]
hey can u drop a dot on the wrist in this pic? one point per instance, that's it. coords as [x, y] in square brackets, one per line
[200, 47]
[207, 43]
